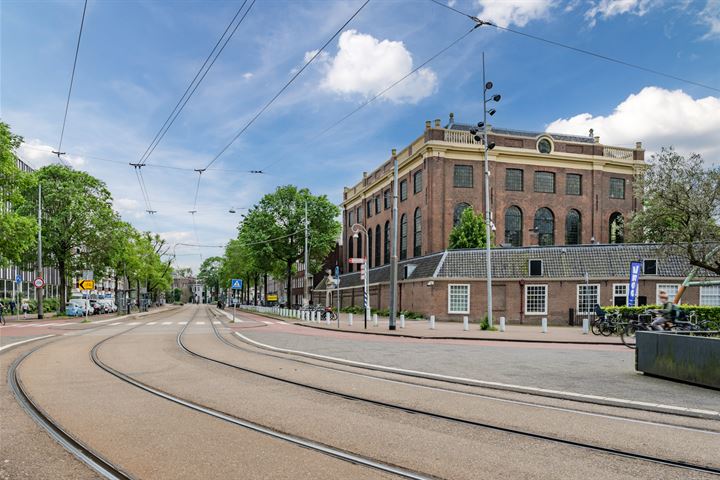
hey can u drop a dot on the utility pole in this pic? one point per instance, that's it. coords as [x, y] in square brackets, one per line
[40, 290]
[306, 301]
[488, 264]
[394, 246]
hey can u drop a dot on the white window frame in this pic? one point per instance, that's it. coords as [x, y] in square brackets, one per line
[527, 312]
[711, 295]
[664, 286]
[467, 286]
[577, 297]
[614, 294]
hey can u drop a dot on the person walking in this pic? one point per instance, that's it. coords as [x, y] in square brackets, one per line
[2, 317]
[12, 307]
[25, 308]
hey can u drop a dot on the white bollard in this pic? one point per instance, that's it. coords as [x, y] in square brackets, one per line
[375, 320]
[327, 318]
[543, 326]
[432, 322]
[586, 326]
[466, 325]
[502, 324]
[350, 315]
[402, 320]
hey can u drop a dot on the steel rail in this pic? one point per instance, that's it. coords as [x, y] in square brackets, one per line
[472, 423]
[294, 439]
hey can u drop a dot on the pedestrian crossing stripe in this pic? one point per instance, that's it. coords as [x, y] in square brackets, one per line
[201, 323]
[151, 323]
[116, 323]
[167, 323]
[216, 322]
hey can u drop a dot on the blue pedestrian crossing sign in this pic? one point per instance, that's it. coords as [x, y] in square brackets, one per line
[18, 278]
[236, 284]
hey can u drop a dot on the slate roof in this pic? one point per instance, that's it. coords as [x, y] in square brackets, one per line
[559, 262]
[525, 133]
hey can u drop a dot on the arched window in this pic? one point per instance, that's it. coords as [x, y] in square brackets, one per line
[513, 226]
[378, 249]
[573, 228]
[617, 228]
[457, 213]
[387, 242]
[403, 237]
[544, 226]
[370, 246]
[417, 238]
[350, 253]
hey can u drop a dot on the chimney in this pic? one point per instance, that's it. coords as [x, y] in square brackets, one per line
[427, 124]
[437, 123]
[452, 118]
[597, 139]
[638, 145]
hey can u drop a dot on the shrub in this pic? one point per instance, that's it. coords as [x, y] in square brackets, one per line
[354, 309]
[485, 324]
[704, 312]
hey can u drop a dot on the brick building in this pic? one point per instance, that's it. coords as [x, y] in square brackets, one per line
[545, 189]
[561, 283]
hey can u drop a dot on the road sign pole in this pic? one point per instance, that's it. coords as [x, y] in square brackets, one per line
[40, 291]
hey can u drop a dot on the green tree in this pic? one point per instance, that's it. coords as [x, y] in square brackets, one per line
[77, 213]
[469, 232]
[273, 231]
[681, 207]
[209, 273]
[17, 231]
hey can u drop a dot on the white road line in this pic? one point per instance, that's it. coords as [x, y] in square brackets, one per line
[267, 323]
[116, 323]
[281, 323]
[182, 323]
[217, 322]
[134, 323]
[201, 323]
[151, 323]
[167, 323]
[483, 383]
[24, 341]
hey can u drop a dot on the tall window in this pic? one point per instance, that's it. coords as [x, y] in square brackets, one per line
[369, 208]
[710, 295]
[417, 233]
[620, 294]
[513, 226]
[403, 190]
[573, 184]
[403, 237]
[536, 299]
[386, 199]
[387, 242]
[417, 182]
[617, 228]
[514, 180]
[457, 213]
[545, 182]
[370, 249]
[572, 228]
[377, 204]
[587, 297]
[544, 226]
[458, 298]
[350, 253]
[359, 214]
[378, 249]
[463, 176]
[350, 218]
[617, 188]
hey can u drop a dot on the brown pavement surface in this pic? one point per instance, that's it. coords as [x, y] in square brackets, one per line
[429, 445]
[152, 437]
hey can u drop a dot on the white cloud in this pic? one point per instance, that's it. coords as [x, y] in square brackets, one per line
[711, 17]
[38, 155]
[657, 117]
[610, 8]
[452, 3]
[514, 12]
[365, 65]
[248, 75]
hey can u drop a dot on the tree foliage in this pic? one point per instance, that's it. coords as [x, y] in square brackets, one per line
[210, 273]
[681, 207]
[469, 232]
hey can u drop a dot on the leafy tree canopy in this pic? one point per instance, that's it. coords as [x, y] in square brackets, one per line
[469, 232]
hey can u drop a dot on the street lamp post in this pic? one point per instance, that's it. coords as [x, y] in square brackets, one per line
[40, 290]
[357, 229]
[487, 147]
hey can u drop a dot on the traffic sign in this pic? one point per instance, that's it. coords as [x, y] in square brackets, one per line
[357, 260]
[272, 298]
[18, 278]
[86, 284]
[236, 284]
[39, 282]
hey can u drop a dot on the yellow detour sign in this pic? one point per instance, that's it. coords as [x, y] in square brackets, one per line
[272, 298]
[86, 285]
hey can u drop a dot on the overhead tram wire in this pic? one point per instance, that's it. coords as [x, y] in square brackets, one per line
[59, 151]
[579, 50]
[196, 81]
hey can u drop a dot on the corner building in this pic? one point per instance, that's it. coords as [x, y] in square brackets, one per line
[545, 189]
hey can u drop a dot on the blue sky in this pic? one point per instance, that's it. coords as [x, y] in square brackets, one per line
[136, 59]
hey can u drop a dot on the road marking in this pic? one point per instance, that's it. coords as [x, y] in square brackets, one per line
[134, 323]
[24, 341]
[151, 323]
[217, 322]
[201, 323]
[280, 323]
[116, 323]
[484, 383]
[167, 323]
[267, 323]
[182, 323]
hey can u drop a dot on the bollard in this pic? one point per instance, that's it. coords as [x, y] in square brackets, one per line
[543, 326]
[350, 315]
[432, 322]
[466, 325]
[327, 318]
[375, 320]
[402, 320]
[586, 325]
[302, 315]
[502, 324]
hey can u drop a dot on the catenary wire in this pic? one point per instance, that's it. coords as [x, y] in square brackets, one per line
[72, 81]
[186, 96]
[580, 50]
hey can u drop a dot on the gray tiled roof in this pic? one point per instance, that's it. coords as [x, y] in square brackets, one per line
[599, 261]
[524, 133]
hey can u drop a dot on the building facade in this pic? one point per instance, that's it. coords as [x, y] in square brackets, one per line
[560, 283]
[545, 189]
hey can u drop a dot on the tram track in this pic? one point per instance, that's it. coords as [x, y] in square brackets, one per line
[435, 415]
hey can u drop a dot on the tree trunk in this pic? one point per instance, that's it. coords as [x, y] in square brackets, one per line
[63, 285]
[289, 283]
[137, 298]
[257, 280]
[116, 289]
[265, 289]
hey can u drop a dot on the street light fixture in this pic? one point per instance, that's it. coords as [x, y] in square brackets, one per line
[358, 229]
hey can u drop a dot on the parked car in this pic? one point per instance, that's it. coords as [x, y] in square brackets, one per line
[79, 307]
[97, 307]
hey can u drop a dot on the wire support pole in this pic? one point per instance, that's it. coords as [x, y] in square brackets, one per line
[306, 300]
[488, 260]
[394, 254]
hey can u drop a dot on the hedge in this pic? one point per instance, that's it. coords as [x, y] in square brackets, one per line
[703, 312]
[384, 312]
